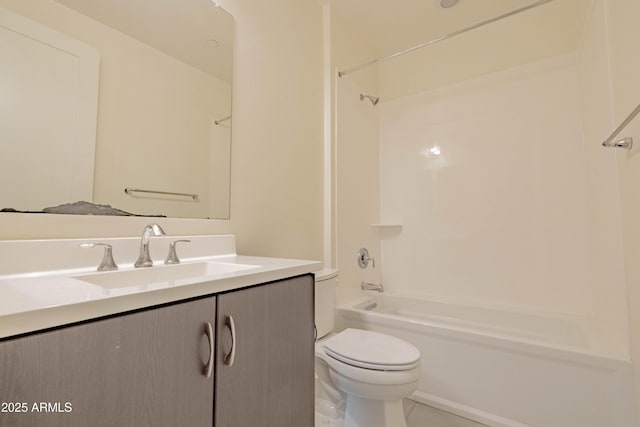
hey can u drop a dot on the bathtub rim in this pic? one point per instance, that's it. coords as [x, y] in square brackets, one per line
[590, 357]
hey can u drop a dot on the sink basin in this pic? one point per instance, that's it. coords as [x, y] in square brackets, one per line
[164, 274]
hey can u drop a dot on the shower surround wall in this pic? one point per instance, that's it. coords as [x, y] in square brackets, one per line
[522, 208]
[358, 191]
[504, 211]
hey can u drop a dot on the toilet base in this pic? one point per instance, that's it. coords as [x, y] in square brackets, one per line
[361, 412]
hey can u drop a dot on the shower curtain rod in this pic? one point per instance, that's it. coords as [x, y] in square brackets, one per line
[625, 142]
[224, 119]
[444, 37]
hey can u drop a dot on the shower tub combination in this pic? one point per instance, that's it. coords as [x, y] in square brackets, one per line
[505, 368]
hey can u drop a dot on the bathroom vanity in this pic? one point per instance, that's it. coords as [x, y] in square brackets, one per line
[232, 347]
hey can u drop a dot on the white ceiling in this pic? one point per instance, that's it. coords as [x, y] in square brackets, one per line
[386, 27]
[182, 29]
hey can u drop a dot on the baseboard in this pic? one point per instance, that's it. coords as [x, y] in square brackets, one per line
[473, 414]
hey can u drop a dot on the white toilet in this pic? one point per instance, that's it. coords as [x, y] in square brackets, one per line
[367, 372]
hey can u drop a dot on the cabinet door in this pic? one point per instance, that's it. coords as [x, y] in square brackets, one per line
[270, 382]
[140, 369]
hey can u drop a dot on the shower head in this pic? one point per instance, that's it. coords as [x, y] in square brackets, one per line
[373, 99]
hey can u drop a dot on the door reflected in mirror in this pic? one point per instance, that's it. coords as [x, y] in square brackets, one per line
[102, 96]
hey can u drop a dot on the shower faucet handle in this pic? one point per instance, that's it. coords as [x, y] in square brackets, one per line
[364, 258]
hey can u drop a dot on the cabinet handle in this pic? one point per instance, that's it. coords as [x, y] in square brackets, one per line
[208, 368]
[230, 357]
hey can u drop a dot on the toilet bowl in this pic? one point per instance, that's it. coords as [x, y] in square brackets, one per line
[365, 372]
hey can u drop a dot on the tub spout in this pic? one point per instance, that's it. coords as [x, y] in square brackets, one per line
[366, 286]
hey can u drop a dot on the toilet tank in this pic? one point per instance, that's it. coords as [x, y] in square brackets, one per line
[326, 282]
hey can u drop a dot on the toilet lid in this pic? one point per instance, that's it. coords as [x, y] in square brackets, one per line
[372, 350]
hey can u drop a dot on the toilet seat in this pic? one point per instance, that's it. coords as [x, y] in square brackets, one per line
[372, 350]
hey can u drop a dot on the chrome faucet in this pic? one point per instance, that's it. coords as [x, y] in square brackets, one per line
[172, 257]
[107, 263]
[144, 259]
[364, 258]
[366, 286]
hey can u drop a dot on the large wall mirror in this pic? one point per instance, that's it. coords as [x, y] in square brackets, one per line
[101, 96]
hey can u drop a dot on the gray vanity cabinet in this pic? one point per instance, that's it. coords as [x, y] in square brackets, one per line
[139, 369]
[156, 367]
[265, 373]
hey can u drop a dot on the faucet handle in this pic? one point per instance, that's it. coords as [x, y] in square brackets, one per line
[107, 263]
[364, 258]
[172, 257]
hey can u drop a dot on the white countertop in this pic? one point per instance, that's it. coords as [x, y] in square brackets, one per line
[31, 302]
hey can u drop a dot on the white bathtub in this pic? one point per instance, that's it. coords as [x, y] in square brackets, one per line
[505, 368]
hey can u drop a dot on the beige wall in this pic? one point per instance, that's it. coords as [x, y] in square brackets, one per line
[348, 51]
[276, 190]
[514, 41]
[624, 34]
[356, 161]
[276, 193]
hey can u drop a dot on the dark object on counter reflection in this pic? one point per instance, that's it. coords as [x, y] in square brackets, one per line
[81, 208]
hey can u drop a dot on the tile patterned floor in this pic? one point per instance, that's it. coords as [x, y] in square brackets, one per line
[417, 414]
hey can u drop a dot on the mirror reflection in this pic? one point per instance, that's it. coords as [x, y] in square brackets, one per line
[99, 97]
